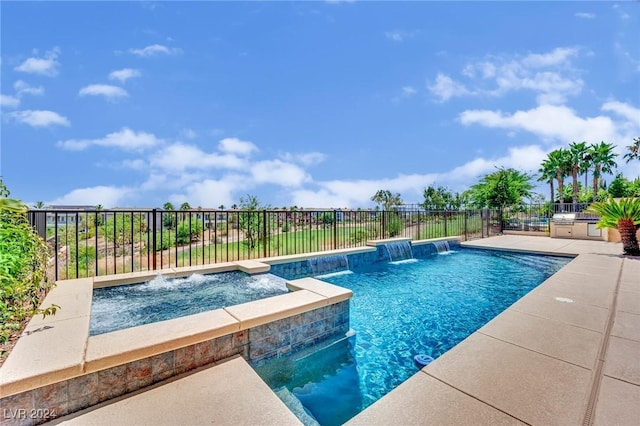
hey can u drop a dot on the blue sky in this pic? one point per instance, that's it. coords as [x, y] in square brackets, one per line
[314, 104]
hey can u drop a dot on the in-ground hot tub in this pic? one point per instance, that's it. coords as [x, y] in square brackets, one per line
[123, 306]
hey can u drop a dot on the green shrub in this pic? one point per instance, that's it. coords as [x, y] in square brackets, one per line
[23, 262]
[188, 231]
[165, 240]
[394, 224]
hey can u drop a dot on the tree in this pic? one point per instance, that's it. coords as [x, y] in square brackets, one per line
[548, 175]
[185, 207]
[249, 220]
[619, 186]
[623, 215]
[577, 153]
[168, 206]
[386, 199]
[221, 207]
[441, 198]
[39, 205]
[559, 163]
[602, 158]
[634, 151]
[506, 187]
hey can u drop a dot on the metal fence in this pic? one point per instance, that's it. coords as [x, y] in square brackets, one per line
[102, 242]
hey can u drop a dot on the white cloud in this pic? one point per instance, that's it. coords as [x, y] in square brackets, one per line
[399, 35]
[108, 91]
[236, 146]
[210, 193]
[584, 15]
[39, 118]
[409, 90]
[107, 196]
[124, 74]
[306, 159]
[188, 133]
[446, 88]
[549, 75]
[624, 110]
[179, 157]
[47, 65]
[557, 56]
[357, 193]
[125, 139]
[550, 122]
[155, 49]
[9, 101]
[23, 88]
[137, 164]
[278, 172]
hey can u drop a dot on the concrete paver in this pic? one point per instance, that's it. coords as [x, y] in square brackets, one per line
[424, 400]
[617, 404]
[532, 387]
[623, 360]
[549, 337]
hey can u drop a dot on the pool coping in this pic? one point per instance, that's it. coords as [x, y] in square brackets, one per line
[565, 353]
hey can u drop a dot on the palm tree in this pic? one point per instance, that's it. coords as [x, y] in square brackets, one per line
[221, 207]
[602, 158]
[547, 174]
[168, 206]
[185, 207]
[100, 217]
[38, 205]
[560, 163]
[577, 153]
[634, 150]
[623, 215]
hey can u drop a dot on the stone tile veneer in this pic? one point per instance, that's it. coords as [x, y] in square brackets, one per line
[39, 405]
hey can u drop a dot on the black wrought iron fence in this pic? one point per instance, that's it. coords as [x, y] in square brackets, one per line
[102, 242]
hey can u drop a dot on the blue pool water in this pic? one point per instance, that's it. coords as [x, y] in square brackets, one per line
[399, 310]
[115, 308]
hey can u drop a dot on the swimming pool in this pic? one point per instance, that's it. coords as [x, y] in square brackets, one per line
[399, 310]
[124, 306]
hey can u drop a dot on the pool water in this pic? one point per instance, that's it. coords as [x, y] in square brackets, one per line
[119, 307]
[400, 310]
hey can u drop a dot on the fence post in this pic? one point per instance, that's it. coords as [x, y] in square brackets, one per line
[466, 234]
[500, 218]
[153, 238]
[264, 233]
[445, 214]
[335, 229]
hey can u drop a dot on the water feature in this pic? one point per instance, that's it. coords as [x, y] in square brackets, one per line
[118, 307]
[397, 312]
[442, 246]
[328, 264]
[399, 251]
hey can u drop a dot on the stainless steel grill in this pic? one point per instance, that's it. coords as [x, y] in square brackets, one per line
[564, 218]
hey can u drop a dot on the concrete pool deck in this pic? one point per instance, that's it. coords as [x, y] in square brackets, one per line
[567, 353]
